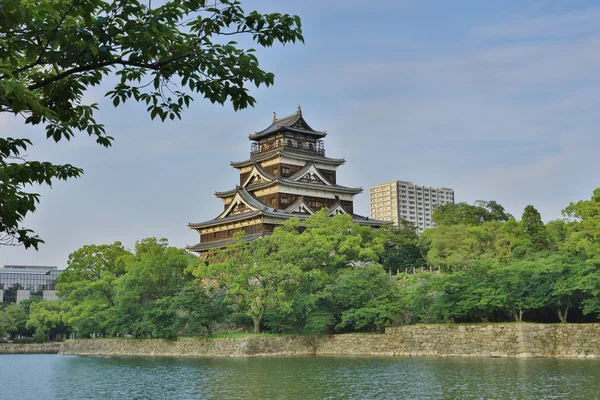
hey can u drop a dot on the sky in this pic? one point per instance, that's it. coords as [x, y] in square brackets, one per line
[497, 100]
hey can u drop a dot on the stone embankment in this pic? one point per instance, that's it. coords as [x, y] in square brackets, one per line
[30, 348]
[195, 347]
[492, 340]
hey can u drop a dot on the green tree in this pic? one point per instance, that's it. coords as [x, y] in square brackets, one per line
[584, 229]
[14, 318]
[255, 274]
[466, 214]
[197, 310]
[563, 283]
[327, 246]
[401, 249]
[520, 284]
[557, 233]
[144, 295]
[52, 52]
[7, 323]
[366, 297]
[534, 228]
[88, 284]
[48, 318]
[468, 294]
[454, 246]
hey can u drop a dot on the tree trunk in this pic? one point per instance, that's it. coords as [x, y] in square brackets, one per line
[562, 316]
[521, 315]
[256, 322]
[515, 316]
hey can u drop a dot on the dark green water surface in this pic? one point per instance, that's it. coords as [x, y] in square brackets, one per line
[75, 377]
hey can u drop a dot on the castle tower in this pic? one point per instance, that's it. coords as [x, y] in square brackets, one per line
[287, 175]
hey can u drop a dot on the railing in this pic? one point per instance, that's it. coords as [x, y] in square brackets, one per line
[305, 148]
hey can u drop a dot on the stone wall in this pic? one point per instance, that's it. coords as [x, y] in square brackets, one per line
[479, 340]
[492, 340]
[227, 347]
[30, 348]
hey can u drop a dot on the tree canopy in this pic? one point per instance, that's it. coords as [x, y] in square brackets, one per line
[52, 53]
[330, 275]
[467, 214]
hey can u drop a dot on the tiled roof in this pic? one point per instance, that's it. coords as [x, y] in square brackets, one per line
[264, 172]
[359, 219]
[281, 214]
[311, 185]
[297, 156]
[293, 122]
[287, 181]
[248, 214]
[221, 243]
[250, 199]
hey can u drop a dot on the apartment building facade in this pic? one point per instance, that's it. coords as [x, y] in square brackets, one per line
[397, 200]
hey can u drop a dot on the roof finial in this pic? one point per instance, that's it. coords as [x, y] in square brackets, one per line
[299, 109]
[274, 116]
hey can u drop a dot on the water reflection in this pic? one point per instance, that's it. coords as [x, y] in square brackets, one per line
[73, 377]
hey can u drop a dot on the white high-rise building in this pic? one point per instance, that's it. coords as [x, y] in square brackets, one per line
[396, 200]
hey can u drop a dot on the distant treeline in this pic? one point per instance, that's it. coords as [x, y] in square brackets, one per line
[478, 264]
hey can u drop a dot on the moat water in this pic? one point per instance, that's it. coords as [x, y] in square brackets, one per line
[38, 377]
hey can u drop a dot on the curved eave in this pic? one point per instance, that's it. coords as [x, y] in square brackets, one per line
[302, 157]
[359, 219]
[275, 126]
[332, 188]
[266, 174]
[227, 193]
[252, 201]
[256, 186]
[316, 134]
[286, 123]
[320, 159]
[285, 181]
[221, 243]
[219, 221]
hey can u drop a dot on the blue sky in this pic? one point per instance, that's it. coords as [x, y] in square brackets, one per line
[498, 100]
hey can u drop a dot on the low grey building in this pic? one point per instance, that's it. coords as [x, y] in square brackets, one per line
[20, 282]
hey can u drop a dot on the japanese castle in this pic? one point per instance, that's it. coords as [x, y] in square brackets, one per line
[287, 175]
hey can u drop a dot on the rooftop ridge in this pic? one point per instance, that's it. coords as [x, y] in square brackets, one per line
[283, 152]
[287, 122]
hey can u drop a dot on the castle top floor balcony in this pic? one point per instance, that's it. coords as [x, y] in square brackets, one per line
[308, 148]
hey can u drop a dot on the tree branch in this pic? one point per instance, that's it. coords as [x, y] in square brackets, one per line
[91, 67]
[52, 34]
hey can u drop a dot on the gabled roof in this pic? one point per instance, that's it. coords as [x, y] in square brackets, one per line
[289, 154]
[243, 196]
[312, 172]
[293, 123]
[336, 208]
[258, 170]
[299, 206]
